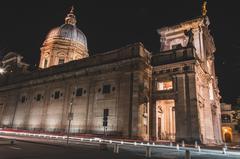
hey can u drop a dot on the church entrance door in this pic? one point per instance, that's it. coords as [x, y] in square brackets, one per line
[228, 137]
[165, 120]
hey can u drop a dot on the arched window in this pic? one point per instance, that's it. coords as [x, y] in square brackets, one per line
[61, 61]
[45, 65]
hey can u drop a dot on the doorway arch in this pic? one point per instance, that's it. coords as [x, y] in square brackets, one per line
[227, 137]
[227, 134]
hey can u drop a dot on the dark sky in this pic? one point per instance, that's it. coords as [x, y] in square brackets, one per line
[112, 24]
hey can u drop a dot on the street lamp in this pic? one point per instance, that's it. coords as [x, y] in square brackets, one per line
[2, 71]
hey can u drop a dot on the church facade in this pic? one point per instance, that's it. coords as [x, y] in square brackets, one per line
[167, 95]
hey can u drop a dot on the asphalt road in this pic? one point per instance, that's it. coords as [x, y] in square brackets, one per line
[27, 150]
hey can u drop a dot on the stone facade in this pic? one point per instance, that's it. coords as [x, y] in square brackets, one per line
[195, 92]
[40, 100]
[167, 95]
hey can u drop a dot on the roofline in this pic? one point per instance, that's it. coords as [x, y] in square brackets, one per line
[197, 21]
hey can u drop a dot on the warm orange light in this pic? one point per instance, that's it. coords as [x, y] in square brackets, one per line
[225, 130]
[2, 71]
[166, 85]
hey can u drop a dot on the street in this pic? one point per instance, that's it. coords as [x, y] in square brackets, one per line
[28, 150]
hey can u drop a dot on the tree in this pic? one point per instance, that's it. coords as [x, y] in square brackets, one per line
[236, 118]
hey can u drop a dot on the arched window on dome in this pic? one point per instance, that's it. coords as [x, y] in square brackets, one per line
[61, 61]
[60, 58]
[45, 65]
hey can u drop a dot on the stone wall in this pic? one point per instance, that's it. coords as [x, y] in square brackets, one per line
[30, 102]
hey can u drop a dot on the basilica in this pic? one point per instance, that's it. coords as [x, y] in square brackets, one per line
[128, 92]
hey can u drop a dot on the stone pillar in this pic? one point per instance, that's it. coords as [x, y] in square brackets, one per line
[87, 106]
[153, 121]
[135, 105]
[92, 87]
[217, 123]
[29, 106]
[124, 89]
[187, 121]
[181, 109]
[47, 98]
[193, 120]
[65, 108]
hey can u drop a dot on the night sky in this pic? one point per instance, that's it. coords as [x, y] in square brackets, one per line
[112, 24]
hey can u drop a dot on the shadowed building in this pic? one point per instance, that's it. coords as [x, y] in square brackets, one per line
[230, 123]
[167, 95]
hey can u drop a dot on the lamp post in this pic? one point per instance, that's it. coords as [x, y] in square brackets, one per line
[70, 118]
[2, 71]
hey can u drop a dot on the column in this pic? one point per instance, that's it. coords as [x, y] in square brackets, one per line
[181, 109]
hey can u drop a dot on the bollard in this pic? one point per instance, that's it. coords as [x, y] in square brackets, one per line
[148, 152]
[171, 144]
[116, 148]
[110, 141]
[103, 147]
[196, 144]
[225, 146]
[187, 154]
[12, 142]
[183, 144]
[224, 151]
[153, 143]
[121, 142]
[177, 147]
[135, 143]
[199, 149]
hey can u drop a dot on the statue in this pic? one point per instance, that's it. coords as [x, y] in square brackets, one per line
[204, 8]
[189, 34]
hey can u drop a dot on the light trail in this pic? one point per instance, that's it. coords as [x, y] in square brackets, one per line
[122, 143]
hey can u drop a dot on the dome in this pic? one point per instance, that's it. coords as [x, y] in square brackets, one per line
[68, 32]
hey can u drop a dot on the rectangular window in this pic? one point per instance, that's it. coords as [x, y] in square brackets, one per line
[167, 85]
[23, 99]
[105, 112]
[237, 127]
[56, 94]
[106, 89]
[176, 46]
[38, 97]
[61, 61]
[79, 92]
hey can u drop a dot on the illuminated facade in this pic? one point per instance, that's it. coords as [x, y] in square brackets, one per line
[168, 95]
